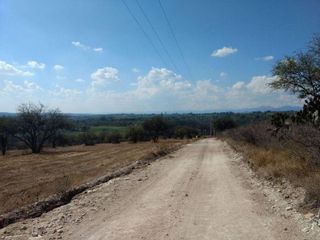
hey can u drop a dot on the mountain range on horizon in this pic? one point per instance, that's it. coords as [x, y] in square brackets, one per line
[242, 110]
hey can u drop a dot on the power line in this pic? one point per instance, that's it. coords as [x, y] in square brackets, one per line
[144, 32]
[157, 35]
[175, 39]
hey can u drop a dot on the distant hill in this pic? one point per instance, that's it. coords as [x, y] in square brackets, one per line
[242, 110]
[6, 114]
[271, 109]
[247, 110]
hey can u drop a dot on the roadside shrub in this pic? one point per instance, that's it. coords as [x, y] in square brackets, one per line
[293, 153]
[114, 137]
[61, 140]
[304, 139]
[88, 138]
[102, 137]
[256, 134]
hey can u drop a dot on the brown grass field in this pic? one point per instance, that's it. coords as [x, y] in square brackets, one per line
[284, 163]
[27, 178]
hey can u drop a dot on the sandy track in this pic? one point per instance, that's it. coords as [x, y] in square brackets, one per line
[198, 192]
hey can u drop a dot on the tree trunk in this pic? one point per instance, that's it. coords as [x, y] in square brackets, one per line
[4, 142]
[36, 148]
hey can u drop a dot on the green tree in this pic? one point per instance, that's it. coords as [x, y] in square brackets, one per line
[222, 124]
[155, 127]
[136, 134]
[300, 74]
[185, 132]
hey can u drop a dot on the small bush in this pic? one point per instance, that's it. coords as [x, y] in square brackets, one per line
[88, 138]
[256, 134]
[114, 137]
[136, 134]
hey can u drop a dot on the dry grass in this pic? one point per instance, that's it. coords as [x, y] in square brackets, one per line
[277, 163]
[27, 178]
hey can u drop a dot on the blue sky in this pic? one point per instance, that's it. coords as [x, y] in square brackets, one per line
[92, 57]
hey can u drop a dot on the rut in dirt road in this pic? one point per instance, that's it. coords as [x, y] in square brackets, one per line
[193, 195]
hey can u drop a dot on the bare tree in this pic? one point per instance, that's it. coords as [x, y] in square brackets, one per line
[36, 125]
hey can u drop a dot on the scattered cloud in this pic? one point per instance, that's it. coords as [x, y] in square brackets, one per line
[223, 52]
[135, 70]
[158, 90]
[80, 45]
[27, 86]
[223, 74]
[238, 85]
[103, 76]
[265, 58]
[79, 80]
[10, 70]
[86, 47]
[158, 80]
[98, 50]
[65, 92]
[36, 65]
[58, 67]
[259, 84]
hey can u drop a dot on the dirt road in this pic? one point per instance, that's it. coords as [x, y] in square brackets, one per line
[199, 192]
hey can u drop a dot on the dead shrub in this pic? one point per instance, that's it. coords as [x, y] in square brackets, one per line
[312, 186]
[294, 155]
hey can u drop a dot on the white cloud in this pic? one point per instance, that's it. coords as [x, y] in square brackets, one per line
[259, 84]
[80, 45]
[223, 52]
[79, 80]
[163, 90]
[158, 90]
[223, 74]
[160, 79]
[27, 86]
[265, 58]
[135, 70]
[31, 86]
[238, 85]
[58, 67]
[36, 65]
[84, 47]
[105, 75]
[98, 50]
[10, 70]
[65, 92]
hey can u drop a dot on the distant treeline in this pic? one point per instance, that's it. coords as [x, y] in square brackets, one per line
[35, 126]
[201, 121]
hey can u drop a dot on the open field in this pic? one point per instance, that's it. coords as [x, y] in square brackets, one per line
[118, 129]
[27, 178]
